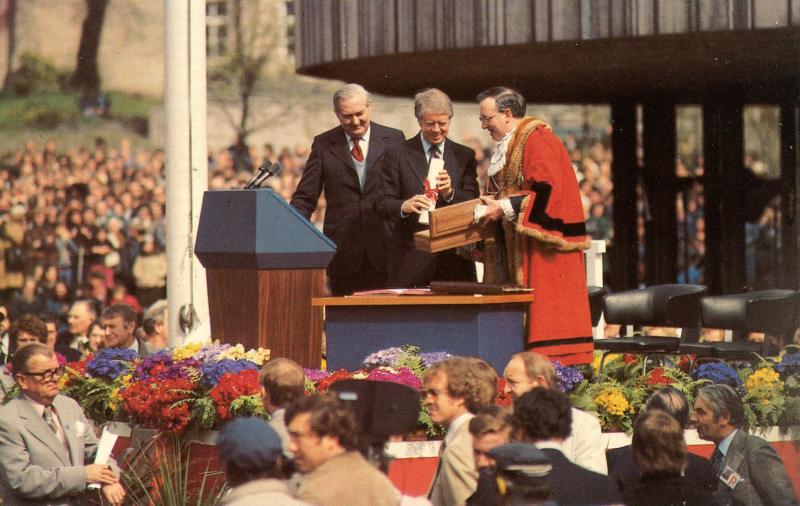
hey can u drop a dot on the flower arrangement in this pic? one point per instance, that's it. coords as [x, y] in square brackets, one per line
[203, 385]
[193, 385]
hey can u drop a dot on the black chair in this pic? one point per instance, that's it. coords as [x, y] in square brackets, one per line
[773, 312]
[655, 306]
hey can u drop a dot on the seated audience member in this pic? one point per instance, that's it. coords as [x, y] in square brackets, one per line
[622, 466]
[27, 329]
[5, 340]
[119, 325]
[154, 325]
[660, 453]
[523, 470]
[543, 416]
[97, 337]
[491, 427]
[748, 468]
[323, 437]
[65, 354]
[250, 453]
[282, 383]
[528, 370]
[456, 388]
[45, 440]
[81, 314]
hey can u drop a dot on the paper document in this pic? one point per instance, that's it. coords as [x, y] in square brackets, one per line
[104, 447]
[436, 165]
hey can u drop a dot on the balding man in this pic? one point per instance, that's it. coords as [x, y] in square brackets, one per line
[345, 162]
[405, 195]
[584, 446]
[45, 440]
[79, 319]
[282, 382]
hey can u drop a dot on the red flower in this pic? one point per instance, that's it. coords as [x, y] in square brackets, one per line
[231, 386]
[629, 358]
[657, 378]
[160, 404]
[325, 383]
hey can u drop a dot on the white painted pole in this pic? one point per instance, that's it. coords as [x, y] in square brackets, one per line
[187, 170]
[594, 277]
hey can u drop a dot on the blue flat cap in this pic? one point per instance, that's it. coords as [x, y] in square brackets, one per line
[521, 459]
[249, 442]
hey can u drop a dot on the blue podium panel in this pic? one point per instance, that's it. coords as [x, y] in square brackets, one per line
[492, 332]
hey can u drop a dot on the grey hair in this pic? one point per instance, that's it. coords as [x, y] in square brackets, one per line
[722, 399]
[350, 91]
[672, 401]
[433, 101]
[505, 98]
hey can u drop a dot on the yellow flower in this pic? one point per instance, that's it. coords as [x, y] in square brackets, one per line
[186, 351]
[233, 353]
[764, 378]
[613, 401]
[613, 357]
[114, 399]
[258, 356]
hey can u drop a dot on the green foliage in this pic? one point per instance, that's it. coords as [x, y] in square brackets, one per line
[36, 74]
[250, 405]
[159, 475]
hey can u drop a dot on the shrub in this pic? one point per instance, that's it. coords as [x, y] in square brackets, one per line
[36, 74]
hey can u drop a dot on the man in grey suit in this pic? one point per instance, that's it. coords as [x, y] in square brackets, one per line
[345, 162]
[748, 469]
[45, 440]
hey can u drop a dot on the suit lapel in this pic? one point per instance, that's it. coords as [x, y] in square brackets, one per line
[417, 162]
[36, 425]
[377, 143]
[71, 431]
[337, 145]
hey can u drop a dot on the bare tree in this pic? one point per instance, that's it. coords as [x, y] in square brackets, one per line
[86, 77]
[234, 80]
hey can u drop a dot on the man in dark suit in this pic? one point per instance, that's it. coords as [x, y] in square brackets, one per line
[544, 417]
[345, 162]
[622, 467]
[748, 469]
[404, 194]
[45, 440]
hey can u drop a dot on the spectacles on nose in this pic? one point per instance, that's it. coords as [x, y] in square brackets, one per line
[49, 375]
[484, 119]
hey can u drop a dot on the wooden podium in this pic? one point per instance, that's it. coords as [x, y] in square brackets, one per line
[264, 263]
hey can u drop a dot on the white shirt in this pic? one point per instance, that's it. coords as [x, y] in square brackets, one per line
[363, 143]
[496, 163]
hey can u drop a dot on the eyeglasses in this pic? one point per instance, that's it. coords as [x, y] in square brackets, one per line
[49, 375]
[484, 119]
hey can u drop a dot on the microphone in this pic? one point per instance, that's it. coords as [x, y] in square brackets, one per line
[265, 171]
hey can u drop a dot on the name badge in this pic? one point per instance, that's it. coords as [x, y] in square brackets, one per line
[730, 477]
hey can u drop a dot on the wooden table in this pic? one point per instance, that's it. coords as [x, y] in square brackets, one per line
[487, 326]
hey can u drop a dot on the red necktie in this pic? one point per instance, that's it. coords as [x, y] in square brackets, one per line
[358, 155]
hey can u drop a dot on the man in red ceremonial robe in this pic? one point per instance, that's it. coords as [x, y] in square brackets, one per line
[532, 193]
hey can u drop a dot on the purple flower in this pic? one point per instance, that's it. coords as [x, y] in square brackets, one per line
[431, 357]
[210, 352]
[315, 374]
[213, 371]
[110, 363]
[718, 372]
[404, 376]
[386, 357]
[790, 364]
[568, 377]
[147, 364]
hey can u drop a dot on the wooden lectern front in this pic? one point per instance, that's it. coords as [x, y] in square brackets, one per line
[264, 263]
